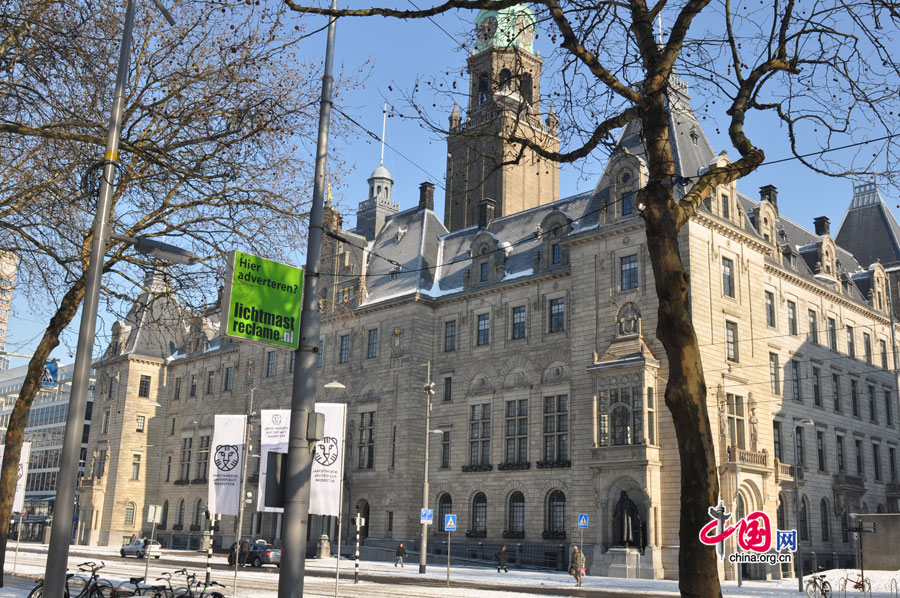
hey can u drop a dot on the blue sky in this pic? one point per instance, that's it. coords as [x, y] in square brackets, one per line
[394, 56]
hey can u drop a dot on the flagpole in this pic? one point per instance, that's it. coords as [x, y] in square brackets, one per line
[340, 519]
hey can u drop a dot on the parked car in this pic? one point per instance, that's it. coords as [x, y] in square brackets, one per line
[260, 554]
[136, 548]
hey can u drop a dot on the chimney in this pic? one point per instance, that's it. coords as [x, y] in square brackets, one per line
[769, 193]
[486, 212]
[426, 196]
[823, 225]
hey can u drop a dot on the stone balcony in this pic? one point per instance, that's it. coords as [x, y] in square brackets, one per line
[625, 455]
[749, 460]
[852, 483]
[784, 473]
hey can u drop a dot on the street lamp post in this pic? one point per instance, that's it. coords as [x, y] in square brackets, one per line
[802, 422]
[429, 391]
[243, 500]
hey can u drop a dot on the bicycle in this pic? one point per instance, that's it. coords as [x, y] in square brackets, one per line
[863, 584]
[94, 587]
[817, 586]
[140, 589]
[202, 586]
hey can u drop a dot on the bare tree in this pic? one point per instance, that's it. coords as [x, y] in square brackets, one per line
[824, 70]
[219, 120]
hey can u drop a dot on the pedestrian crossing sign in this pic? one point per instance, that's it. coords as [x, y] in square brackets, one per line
[582, 520]
[449, 523]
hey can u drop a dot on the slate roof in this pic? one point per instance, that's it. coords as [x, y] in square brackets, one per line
[869, 230]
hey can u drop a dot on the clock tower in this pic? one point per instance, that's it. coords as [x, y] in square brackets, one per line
[504, 100]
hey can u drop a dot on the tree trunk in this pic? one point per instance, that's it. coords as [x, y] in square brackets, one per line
[686, 387]
[15, 433]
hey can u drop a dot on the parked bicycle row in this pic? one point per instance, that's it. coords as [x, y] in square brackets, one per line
[88, 584]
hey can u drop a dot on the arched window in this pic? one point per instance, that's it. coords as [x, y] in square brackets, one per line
[479, 512]
[483, 88]
[804, 520]
[826, 524]
[165, 515]
[179, 517]
[780, 514]
[516, 515]
[505, 79]
[445, 507]
[198, 511]
[556, 512]
[129, 514]
[525, 89]
[621, 426]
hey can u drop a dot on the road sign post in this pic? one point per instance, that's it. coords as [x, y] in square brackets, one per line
[583, 519]
[449, 526]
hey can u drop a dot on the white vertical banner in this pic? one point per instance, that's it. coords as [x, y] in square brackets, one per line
[226, 465]
[328, 462]
[274, 430]
[21, 476]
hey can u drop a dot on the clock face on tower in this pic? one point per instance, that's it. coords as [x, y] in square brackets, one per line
[486, 30]
[524, 32]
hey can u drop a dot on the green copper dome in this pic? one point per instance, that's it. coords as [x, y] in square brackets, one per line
[511, 27]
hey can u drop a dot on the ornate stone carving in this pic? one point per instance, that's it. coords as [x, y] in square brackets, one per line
[628, 320]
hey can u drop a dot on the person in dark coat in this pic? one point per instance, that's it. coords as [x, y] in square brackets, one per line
[501, 559]
[245, 552]
[577, 565]
[401, 552]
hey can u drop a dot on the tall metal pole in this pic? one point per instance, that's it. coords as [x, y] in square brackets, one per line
[246, 458]
[799, 552]
[295, 525]
[423, 542]
[737, 487]
[150, 548]
[61, 529]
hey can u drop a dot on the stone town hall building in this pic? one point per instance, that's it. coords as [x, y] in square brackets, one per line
[538, 317]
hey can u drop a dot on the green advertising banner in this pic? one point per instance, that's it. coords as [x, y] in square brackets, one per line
[262, 301]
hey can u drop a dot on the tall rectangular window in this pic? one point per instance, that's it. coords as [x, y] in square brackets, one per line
[817, 387]
[210, 379]
[779, 447]
[836, 391]
[873, 409]
[840, 453]
[518, 322]
[366, 440]
[450, 336]
[445, 450]
[867, 347]
[800, 453]
[177, 394]
[193, 389]
[168, 468]
[480, 434]
[517, 431]
[883, 347]
[726, 210]
[372, 344]
[135, 467]
[727, 277]
[228, 382]
[557, 315]
[813, 327]
[556, 428]
[557, 253]
[484, 272]
[105, 428]
[792, 318]
[851, 342]
[736, 420]
[832, 334]
[795, 380]
[448, 389]
[860, 464]
[876, 460]
[628, 272]
[854, 397]
[112, 388]
[270, 364]
[186, 447]
[770, 309]
[203, 457]
[141, 424]
[731, 341]
[892, 462]
[144, 387]
[774, 378]
[888, 409]
[627, 205]
[651, 417]
[344, 355]
[820, 449]
[484, 329]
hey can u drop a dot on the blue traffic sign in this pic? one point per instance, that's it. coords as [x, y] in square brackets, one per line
[582, 520]
[449, 523]
[426, 517]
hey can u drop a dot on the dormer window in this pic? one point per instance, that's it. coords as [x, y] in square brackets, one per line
[484, 272]
[627, 207]
[557, 253]
[726, 207]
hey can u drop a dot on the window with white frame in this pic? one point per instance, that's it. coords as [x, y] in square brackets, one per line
[480, 434]
[727, 277]
[366, 440]
[517, 431]
[770, 309]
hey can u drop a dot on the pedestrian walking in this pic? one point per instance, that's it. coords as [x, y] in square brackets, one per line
[245, 552]
[401, 552]
[576, 566]
[501, 559]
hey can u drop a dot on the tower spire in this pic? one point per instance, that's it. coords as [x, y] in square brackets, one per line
[383, 130]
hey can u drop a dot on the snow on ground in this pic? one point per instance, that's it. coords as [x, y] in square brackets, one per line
[255, 583]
